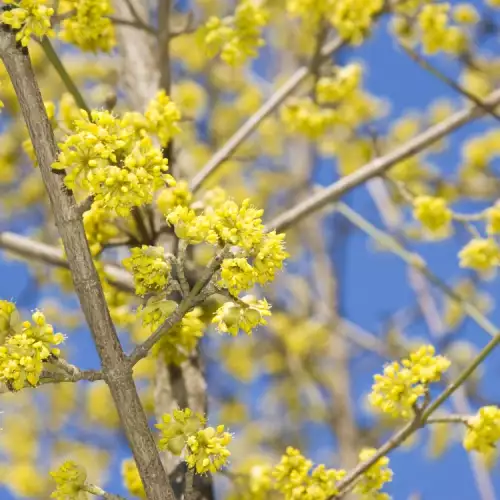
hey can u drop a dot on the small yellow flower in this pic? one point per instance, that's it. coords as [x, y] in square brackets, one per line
[163, 117]
[344, 82]
[182, 339]
[402, 385]
[206, 447]
[437, 34]
[237, 275]
[237, 37]
[233, 317]
[150, 269]
[170, 198]
[26, 348]
[294, 480]
[481, 254]
[70, 479]
[305, 117]
[373, 480]
[483, 430]
[132, 480]
[433, 213]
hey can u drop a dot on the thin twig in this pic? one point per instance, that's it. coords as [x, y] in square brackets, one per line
[96, 490]
[449, 419]
[180, 261]
[135, 24]
[423, 63]
[65, 77]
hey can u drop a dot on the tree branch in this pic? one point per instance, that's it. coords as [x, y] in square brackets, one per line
[263, 112]
[50, 377]
[116, 368]
[61, 70]
[31, 249]
[380, 165]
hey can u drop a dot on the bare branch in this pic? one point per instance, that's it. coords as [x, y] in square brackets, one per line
[423, 63]
[263, 112]
[31, 249]
[380, 165]
[61, 70]
[51, 377]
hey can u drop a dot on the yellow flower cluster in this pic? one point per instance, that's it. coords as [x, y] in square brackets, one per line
[191, 227]
[304, 116]
[100, 408]
[260, 254]
[156, 311]
[191, 98]
[89, 28]
[373, 480]
[108, 158]
[149, 267]
[294, 480]
[238, 275]
[70, 480]
[162, 117]
[208, 449]
[26, 347]
[99, 228]
[340, 101]
[433, 213]
[352, 19]
[436, 33]
[483, 430]
[479, 151]
[238, 225]
[132, 479]
[244, 315]
[169, 198]
[398, 390]
[205, 447]
[257, 483]
[481, 254]
[29, 17]
[182, 339]
[237, 37]
[344, 82]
